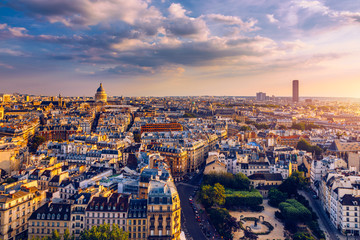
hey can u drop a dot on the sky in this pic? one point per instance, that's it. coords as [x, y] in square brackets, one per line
[190, 47]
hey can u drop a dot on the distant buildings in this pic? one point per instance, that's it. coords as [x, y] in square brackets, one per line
[260, 96]
[295, 91]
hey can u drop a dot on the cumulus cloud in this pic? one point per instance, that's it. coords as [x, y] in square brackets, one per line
[179, 24]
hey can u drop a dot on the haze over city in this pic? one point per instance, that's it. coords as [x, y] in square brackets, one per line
[161, 48]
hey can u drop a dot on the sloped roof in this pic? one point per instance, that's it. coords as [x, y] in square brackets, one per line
[338, 146]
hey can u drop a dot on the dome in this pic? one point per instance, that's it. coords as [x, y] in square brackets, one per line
[100, 89]
[100, 95]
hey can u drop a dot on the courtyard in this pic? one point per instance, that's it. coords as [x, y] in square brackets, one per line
[269, 216]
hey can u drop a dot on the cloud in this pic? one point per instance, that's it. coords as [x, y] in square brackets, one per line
[177, 11]
[11, 52]
[87, 12]
[233, 20]
[4, 65]
[319, 7]
[12, 32]
[179, 24]
[271, 18]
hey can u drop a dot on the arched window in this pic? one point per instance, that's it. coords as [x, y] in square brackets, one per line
[53, 217]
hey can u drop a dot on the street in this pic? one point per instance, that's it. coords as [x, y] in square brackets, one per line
[330, 231]
[185, 190]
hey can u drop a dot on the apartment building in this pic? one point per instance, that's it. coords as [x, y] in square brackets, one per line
[16, 208]
[137, 219]
[164, 211]
[48, 218]
[111, 209]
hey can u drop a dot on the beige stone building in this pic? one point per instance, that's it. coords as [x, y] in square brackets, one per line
[15, 209]
[164, 211]
[48, 218]
[111, 210]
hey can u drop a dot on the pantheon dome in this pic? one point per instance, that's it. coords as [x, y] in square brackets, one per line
[101, 95]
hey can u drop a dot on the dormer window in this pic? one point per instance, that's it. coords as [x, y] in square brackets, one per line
[53, 217]
[38, 216]
[58, 217]
[43, 216]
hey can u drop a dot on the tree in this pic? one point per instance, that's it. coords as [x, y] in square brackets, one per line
[306, 146]
[206, 196]
[238, 181]
[10, 180]
[289, 186]
[298, 126]
[282, 127]
[36, 142]
[303, 236]
[212, 195]
[223, 222]
[67, 235]
[299, 178]
[104, 232]
[137, 137]
[189, 115]
[245, 128]
[276, 197]
[242, 182]
[293, 211]
[219, 194]
[55, 235]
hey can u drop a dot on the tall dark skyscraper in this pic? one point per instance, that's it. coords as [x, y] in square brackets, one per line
[295, 89]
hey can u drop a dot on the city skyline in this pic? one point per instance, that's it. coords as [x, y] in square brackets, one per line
[165, 48]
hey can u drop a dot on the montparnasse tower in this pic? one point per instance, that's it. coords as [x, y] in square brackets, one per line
[100, 96]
